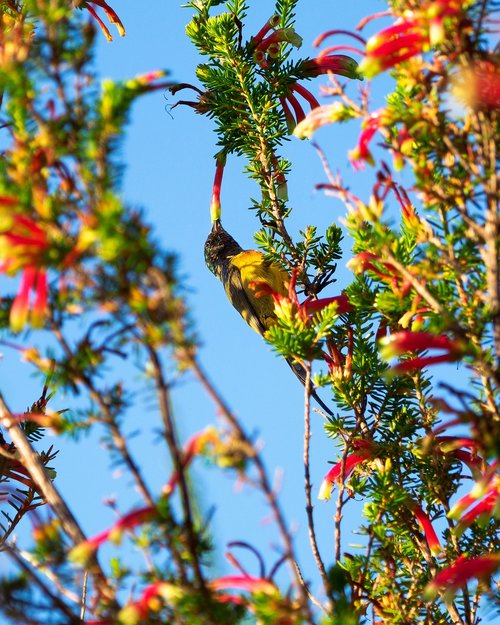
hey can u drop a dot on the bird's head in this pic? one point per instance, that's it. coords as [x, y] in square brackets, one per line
[219, 248]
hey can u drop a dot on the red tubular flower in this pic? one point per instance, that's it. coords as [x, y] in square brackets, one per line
[320, 116]
[297, 108]
[339, 64]
[272, 22]
[408, 37]
[150, 601]
[483, 511]
[362, 451]
[365, 261]
[33, 280]
[451, 445]
[455, 576]
[405, 341]
[428, 530]
[289, 118]
[110, 14]
[392, 46]
[308, 306]
[244, 582]
[361, 154]
[82, 552]
[23, 246]
[195, 446]
[291, 121]
[23, 242]
[486, 487]
[315, 305]
[267, 47]
[306, 94]
[215, 205]
[270, 44]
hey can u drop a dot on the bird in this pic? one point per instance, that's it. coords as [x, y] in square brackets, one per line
[237, 268]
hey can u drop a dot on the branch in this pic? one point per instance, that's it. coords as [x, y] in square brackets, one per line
[31, 461]
[307, 476]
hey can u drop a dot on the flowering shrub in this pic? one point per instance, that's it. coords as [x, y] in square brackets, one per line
[422, 458]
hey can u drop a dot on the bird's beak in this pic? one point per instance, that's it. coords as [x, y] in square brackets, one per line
[217, 226]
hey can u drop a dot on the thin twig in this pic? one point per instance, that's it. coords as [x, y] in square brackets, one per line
[179, 466]
[307, 477]
[46, 591]
[50, 575]
[83, 601]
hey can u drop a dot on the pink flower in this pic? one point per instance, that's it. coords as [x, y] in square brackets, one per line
[455, 576]
[362, 451]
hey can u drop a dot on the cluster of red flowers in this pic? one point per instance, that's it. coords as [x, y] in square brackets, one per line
[416, 33]
[266, 48]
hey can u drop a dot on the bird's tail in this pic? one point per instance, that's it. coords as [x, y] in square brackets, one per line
[301, 373]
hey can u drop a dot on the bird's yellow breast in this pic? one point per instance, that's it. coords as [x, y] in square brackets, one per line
[255, 268]
[251, 266]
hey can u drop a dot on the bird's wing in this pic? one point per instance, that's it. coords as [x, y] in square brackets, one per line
[249, 267]
[239, 297]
